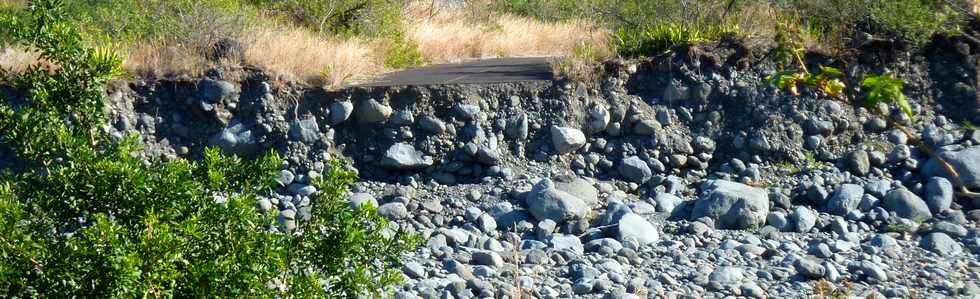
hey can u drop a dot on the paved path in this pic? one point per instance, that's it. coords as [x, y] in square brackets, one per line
[495, 70]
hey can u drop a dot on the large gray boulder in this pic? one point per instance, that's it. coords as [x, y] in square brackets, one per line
[403, 156]
[578, 187]
[635, 170]
[965, 161]
[304, 130]
[907, 205]
[370, 111]
[732, 205]
[340, 112]
[633, 226]
[547, 202]
[845, 199]
[940, 244]
[236, 139]
[939, 194]
[566, 140]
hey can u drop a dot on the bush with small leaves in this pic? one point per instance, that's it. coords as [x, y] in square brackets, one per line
[86, 217]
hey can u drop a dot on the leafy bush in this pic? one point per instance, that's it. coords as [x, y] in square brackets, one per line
[87, 218]
[886, 89]
[401, 52]
[663, 36]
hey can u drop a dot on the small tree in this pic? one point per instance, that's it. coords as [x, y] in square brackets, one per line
[85, 217]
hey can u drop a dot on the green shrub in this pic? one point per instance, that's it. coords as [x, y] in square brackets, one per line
[402, 53]
[914, 20]
[664, 36]
[87, 218]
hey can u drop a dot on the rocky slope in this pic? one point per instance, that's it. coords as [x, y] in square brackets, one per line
[685, 175]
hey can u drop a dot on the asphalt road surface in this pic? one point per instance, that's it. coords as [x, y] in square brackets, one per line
[495, 70]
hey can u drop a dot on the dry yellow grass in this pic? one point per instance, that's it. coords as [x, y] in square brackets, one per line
[16, 60]
[296, 53]
[299, 54]
[448, 35]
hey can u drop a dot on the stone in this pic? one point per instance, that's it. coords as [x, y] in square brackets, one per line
[845, 199]
[403, 156]
[858, 162]
[304, 130]
[432, 125]
[940, 244]
[285, 177]
[666, 202]
[803, 219]
[466, 112]
[778, 220]
[907, 205]
[393, 210]
[566, 140]
[752, 290]
[301, 189]
[414, 270]
[236, 139]
[517, 127]
[727, 276]
[809, 268]
[966, 162]
[559, 242]
[939, 194]
[357, 200]
[598, 118]
[488, 258]
[578, 187]
[370, 111]
[732, 205]
[218, 91]
[633, 226]
[340, 112]
[646, 127]
[546, 202]
[635, 170]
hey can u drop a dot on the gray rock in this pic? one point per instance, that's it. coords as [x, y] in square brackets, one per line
[647, 127]
[633, 226]
[402, 118]
[598, 118]
[883, 241]
[403, 156]
[809, 268]
[236, 139]
[393, 210]
[357, 200]
[940, 244]
[546, 202]
[285, 177]
[370, 111]
[340, 112]
[666, 202]
[566, 140]
[939, 194]
[301, 189]
[803, 219]
[304, 130]
[578, 187]
[217, 91]
[907, 205]
[732, 205]
[517, 127]
[432, 125]
[846, 198]
[858, 162]
[559, 242]
[414, 270]
[466, 112]
[727, 276]
[752, 290]
[635, 170]
[966, 162]
[949, 228]
[488, 258]
[778, 220]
